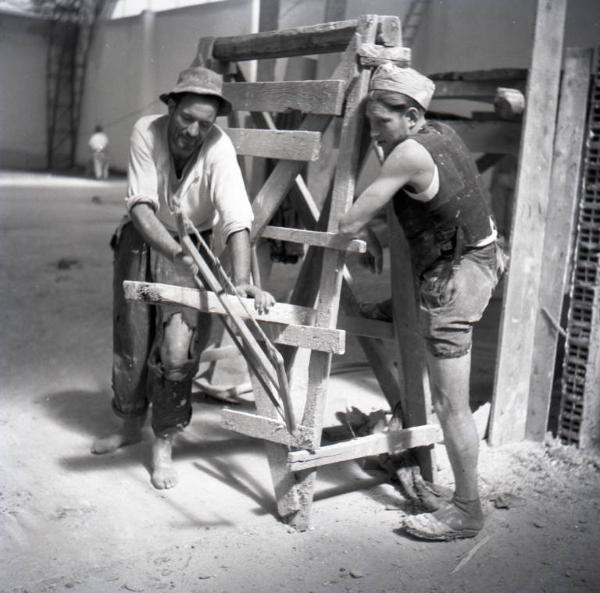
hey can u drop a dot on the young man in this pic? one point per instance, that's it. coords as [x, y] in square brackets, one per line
[439, 200]
[181, 160]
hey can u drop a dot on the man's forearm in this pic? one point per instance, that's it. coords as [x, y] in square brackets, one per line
[153, 231]
[239, 244]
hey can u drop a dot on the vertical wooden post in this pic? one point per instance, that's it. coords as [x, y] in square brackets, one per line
[520, 308]
[268, 20]
[333, 266]
[415, 395]
[565, 187]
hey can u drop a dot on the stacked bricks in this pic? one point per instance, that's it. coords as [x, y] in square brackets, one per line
[583, 320]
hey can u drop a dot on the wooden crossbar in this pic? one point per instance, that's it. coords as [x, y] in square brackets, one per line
[276, 324]
[316, 238]
[393, 442]
[314, 39]
[309, 96]
[477, 90]
[276, 144]
[260, 427]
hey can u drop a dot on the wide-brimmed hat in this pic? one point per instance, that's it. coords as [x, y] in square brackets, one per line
[409, 82]
[200, 81]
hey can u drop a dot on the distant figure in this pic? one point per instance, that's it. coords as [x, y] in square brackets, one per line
[98, 145]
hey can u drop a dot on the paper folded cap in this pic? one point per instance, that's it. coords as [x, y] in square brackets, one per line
[407, 81]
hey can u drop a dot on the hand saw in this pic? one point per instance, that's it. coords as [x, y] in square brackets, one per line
[267, 364]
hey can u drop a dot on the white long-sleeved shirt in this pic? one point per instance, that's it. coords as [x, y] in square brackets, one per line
[211, 191]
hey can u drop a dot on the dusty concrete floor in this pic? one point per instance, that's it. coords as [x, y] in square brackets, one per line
[73, 521]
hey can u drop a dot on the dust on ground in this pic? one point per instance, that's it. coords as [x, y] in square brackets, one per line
[77, 522]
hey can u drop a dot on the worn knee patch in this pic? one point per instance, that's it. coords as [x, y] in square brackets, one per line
[171, 398]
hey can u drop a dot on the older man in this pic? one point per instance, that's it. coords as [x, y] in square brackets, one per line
[182, 161]
[429, 176]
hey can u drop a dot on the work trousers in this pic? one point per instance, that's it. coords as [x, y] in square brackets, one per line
[140, 377]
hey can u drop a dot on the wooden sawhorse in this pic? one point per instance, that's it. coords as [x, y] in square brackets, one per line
[310, 320]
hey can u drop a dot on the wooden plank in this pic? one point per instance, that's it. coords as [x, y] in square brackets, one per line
[286, 332]
[393, 442]
[520, 305]
[415, 394]
[316, 238]
[372, 55]
[276, 144]
[321, 339]
[499, 137]
[313, 39]
[565, 186]
[268, 429]
[507, 75]
[207, 301]
[309, 96]
[389, 32]
[219, 353]
[474, 90]
[368, 328]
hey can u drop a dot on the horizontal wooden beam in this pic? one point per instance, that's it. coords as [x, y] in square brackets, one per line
[315, 238]
[276, 144]
[299, 41]
[475, 90]
[507, 76]
[268, 429]
[498, 137]
[375, 444]
[283, 324]
[309, 96]
[207, 301]
[219, 353]
[367, 328]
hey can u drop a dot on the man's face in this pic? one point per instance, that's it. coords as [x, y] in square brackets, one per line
[389, 127]
[190, 122]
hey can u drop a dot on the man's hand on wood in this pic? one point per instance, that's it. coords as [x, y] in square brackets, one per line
[185, 262]
[263, 300]
[373, 258]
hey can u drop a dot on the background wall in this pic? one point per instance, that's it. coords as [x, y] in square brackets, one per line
[134, 59]
[23, 44]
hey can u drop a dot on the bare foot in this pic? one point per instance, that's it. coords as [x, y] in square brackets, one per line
[163, 474]
[130, 433]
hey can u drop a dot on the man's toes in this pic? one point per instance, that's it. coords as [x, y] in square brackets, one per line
[163, 478]
[107, 444]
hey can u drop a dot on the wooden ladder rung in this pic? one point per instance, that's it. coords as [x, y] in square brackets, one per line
[314, 238]
[261, 427]
[280, 324]
[374, 444]
[308, 96]
[314, 39]
[293, 145]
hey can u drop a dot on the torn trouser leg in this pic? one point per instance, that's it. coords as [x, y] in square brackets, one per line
[171, 395]
[133, 325]
[180, 336]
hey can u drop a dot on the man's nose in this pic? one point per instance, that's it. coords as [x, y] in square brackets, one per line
[193, 130]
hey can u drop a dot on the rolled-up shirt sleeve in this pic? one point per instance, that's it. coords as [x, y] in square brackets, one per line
[141, 173]
[228, 191]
